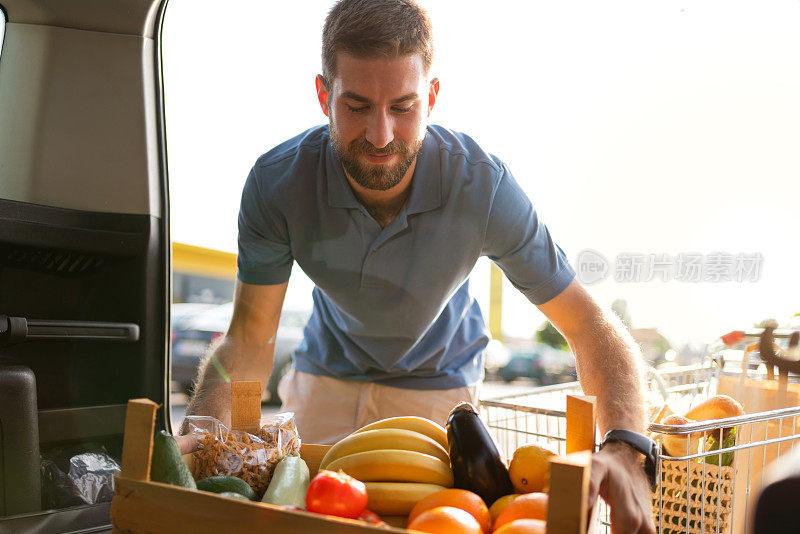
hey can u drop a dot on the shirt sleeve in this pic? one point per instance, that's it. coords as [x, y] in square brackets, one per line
[265, 255]
[521, 245]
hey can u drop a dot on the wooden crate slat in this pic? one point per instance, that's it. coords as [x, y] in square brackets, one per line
[246, 406]
[569, 487]
[313, 454]
[581, 423]
[153, 507]
[137, 445]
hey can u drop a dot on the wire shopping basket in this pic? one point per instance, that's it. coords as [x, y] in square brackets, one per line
[710, 488]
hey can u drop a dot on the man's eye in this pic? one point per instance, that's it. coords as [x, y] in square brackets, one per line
[399, 109]
[359, 109]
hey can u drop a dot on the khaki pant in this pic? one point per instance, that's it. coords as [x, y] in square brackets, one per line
[328, 409]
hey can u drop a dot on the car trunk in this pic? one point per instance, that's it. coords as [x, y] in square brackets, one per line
[84, 255]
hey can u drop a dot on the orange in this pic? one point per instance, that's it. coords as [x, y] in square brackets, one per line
[523, 526]
[500, 505]
[457, 498]
[445, 520]
[530, 468]
[528, 506]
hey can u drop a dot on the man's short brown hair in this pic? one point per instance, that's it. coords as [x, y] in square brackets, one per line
[376, 28]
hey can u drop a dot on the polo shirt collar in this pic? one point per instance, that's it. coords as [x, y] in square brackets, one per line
[426, 186]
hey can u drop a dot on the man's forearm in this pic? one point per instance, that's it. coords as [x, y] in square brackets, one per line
[227, 362]
[609, 365]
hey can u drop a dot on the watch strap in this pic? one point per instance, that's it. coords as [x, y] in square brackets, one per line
[641, 443]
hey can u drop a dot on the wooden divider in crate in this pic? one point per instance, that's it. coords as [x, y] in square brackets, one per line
[143, 506]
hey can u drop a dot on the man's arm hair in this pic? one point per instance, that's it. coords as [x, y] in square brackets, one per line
[244, 353]
[608, 360]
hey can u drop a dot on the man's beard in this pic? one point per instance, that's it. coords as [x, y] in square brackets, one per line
[378, 177]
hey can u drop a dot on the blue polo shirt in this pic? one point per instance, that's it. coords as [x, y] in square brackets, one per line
[392, 305]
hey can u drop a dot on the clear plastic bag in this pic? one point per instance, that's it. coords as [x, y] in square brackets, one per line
[85, 478]
[251, 457]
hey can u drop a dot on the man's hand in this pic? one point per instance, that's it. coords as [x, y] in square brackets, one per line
[187, 443]
[617, 476]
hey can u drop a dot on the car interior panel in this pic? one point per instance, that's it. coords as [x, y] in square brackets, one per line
[84, 249]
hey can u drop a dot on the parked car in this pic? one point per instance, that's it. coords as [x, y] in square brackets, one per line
[192, 336]
[181, 310]
[540, 363]
[495, 357]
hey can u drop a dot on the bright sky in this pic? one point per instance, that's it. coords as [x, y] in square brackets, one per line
[635, 127]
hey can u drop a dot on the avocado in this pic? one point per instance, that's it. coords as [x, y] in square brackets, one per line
[225, 484]
[167, 465]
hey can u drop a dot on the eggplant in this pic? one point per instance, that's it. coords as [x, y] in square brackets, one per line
[477, 464]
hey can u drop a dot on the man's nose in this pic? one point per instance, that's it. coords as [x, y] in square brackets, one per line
[379, 130]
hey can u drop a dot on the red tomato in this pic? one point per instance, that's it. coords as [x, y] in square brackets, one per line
[371, 518]
[336, 494]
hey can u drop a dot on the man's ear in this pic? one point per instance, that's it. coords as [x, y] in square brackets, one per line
[322, 94]
[433, 94]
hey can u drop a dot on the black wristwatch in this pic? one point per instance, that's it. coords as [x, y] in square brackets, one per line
[642, 444]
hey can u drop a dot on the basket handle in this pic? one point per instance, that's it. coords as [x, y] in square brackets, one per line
[137, 444]
[773, 355]
[755, 347]
[246, 406]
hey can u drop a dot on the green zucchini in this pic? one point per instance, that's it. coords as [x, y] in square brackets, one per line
[289, 483]
[227, 484]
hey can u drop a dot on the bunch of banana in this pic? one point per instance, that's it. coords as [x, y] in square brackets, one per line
[402, 460]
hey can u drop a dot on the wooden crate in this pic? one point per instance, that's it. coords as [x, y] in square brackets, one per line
[142, 506]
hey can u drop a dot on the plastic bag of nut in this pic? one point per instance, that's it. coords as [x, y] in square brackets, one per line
[251, 457]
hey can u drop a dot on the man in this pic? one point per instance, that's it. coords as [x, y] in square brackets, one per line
[388, 216]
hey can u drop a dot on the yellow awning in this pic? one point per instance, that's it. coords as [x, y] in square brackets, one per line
[190, 259]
